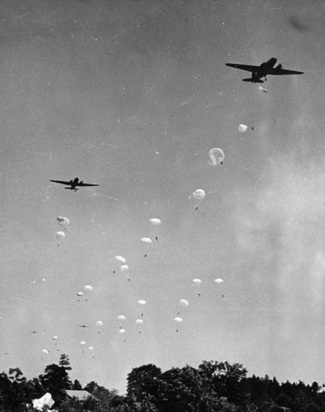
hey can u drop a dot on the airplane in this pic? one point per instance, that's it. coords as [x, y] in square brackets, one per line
[73, 183]
[258, 72]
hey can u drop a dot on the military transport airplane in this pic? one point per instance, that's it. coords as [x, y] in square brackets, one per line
[73, 184]
[261, 71]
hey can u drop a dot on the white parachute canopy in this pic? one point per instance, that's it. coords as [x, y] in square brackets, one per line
[196, 281]
[120, 259]
[178, 319]
[122, 330]
[90, 347]
[124, 268]
[45, 401]
[216, 156]
[45, 351]
[142, 302]
[155, 221]
[184, 303]
[82, 342]
[121, 317]
[198, 194]
[55, 337]
[146, 240]
[88, 287]
[218, 280]
[63, 221]
[99, 323]
[242, 128]
[60, 236]
[139, 321]
[80, 293]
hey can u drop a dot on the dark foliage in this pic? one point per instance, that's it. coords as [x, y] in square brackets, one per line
[212, 387]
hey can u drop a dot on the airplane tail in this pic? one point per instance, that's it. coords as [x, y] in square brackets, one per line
[253, 80]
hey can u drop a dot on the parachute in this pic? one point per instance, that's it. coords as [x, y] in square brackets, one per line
[90, 348]
[121, 317]
[80, 293]
[184, 303]
[55, 337]
[261, 89]
[82, 342]
[45, 351]
[44, 403]
[178, 319]
[120, 259]
[142, 302]
[60, 236]
[218, 280]
[63, 221]
[124, 268]
[216, 156]
[196, 281]
[155, 221]
[146, 240]
[99, 323]
[242, 128]
[139, 321]
[198, 194]
[122, 330]
[88, 287]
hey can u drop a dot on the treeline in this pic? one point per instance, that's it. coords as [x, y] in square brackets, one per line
[213, 386]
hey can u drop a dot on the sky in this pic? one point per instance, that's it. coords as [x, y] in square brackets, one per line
[132, 95]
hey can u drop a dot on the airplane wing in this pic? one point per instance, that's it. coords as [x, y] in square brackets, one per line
[61, 182]
[281, 71]
[246, 67]
[86, 184]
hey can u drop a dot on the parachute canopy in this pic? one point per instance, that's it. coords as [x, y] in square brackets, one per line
[196, 281]
[155, 221]
[139, 321]
[184, 302]
[80, 293]
[198, 194]
[60, 235]
[142, 302]
[99, 323]
[146, 240]
[122, 330]
[63, 221]
[45, 351]
[124, 268]
[88, 287]
[44, 402]
[90, 347]
[55, 337]
[121, 317]
[120, 259]
[216, 156]
[82, 342]
[242, 128]
[218, 280]
[178, 319]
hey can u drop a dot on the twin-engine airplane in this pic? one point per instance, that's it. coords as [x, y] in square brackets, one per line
[261, 71]
[73, 184]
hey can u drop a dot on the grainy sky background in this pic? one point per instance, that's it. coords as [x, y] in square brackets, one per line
[132, 95]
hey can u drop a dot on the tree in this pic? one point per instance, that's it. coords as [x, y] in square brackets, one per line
[56, 380]
[143, 382]
[76, 385]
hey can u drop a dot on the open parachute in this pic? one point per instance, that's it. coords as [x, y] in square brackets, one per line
[216, 156]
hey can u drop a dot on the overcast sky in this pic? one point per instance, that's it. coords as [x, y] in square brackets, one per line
[132, 95]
